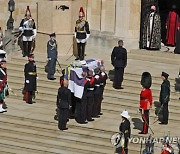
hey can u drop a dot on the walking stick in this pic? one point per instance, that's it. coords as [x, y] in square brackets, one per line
[146, 123]
[59, 64]
[158, 114]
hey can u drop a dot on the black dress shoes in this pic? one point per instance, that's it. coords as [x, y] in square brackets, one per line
[142, 133]
[163, 123]
[90, 120]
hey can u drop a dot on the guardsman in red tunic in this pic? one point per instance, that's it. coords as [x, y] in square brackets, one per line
[145, 100]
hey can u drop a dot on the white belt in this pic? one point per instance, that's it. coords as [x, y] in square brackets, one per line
[90, 88]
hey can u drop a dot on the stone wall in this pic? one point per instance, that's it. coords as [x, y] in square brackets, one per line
[112, 19]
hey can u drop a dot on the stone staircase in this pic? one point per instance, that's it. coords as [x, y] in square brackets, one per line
[31, 128]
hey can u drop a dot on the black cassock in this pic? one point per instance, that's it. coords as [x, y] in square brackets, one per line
[30, 80]
[119, 61]
[63, 103]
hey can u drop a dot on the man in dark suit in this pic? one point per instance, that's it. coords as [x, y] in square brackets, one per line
[165, 97]
[52, 56]
[119, 61]
[30, 79]
[63, 104]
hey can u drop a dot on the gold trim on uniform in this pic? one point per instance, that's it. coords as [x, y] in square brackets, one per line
[80, 26]
[32, 73]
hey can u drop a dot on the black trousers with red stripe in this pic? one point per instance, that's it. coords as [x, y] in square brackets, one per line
[29, 95]
[145, 118]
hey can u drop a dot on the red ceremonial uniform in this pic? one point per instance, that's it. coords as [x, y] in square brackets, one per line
[145, 103]
[167, 150]
[173, 23]
[146, 99]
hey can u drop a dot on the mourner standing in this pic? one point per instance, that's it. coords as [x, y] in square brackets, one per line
[3, 85]
[28, 28]
[152, 30]
[52, 56]
[63, 104]
[145, 100]
[125, 129]
[30, 79]
[82, 34]
[119, 61]
[165, 97]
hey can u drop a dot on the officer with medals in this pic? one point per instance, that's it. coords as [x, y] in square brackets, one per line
[30, 79]
[82, 34]
[145, 100]
[125, 132]
[52, 56]
[29, 32]
[3, 85]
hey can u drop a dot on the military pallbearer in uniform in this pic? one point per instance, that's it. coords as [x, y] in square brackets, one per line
[52, 56]
[28, 28]
[30, 79]
[145, 100]
[82, 34]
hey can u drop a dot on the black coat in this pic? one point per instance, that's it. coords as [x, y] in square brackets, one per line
[64, 98]
[119, 57]
[30, 76]
[125, 128]
[165, 92]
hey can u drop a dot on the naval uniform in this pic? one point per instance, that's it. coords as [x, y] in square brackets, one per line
[119, 61]
[30, 80]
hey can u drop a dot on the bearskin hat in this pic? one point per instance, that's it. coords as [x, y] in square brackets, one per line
[146, 80]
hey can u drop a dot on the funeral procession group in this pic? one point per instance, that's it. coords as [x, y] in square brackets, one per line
[82, 83]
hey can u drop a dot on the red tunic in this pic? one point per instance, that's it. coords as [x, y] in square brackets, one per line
[172, 23]
[167, 150]
[145, 99]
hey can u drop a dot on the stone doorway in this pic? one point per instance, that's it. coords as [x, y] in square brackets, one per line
[163, 7]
